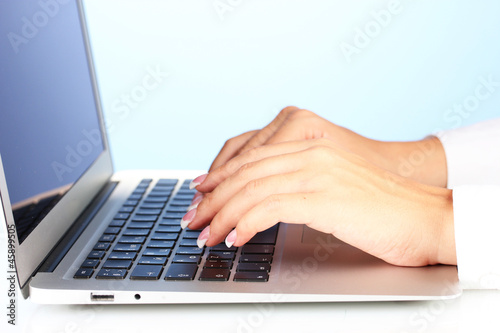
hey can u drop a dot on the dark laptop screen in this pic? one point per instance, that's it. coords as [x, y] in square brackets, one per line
[49, 125]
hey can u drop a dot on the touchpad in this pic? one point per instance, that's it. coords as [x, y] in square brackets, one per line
[311, 236]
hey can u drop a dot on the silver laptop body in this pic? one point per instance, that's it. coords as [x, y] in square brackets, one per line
[47, 41]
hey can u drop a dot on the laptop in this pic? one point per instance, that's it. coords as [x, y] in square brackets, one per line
[84, 234]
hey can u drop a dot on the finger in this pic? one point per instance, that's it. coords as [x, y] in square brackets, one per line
[248, 197]
[295, 208]
[230, 148]
[214, 201]
[262, 136]
[220, 174]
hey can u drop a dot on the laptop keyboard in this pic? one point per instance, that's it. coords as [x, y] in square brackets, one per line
[144, 241]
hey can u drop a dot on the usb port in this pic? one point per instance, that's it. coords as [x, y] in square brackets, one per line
[102, 297]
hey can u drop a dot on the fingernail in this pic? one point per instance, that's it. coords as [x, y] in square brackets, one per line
[197, 181]
[231, 238]
[188, 218]
[195, 202]
[203, 237]
[197, 195]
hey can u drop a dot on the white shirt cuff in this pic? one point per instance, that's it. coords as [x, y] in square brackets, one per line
[477, 232]
[473, 154]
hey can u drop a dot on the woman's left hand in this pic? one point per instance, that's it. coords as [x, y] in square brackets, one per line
[313, 182]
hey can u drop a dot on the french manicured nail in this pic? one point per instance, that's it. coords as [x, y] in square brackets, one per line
[197, 181]
[188, 218]
[203, 237]
[195, 202]
[231, 238]
[197, 195]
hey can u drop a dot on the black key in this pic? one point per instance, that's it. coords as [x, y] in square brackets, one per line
[181, 272]
[214, 274]
[187, 259]
[160, 192]
[107, 238]
[257, 249]
[126, 209]
[216, 255]
[104, 246]
[165, 236]
[146, 272]
[177, 209]
[169, 228]
[155, 212]
[90, 263]
[123, 255]
[251, 277]
[218, 264]
[140, 225]
[96, 255]
[117, 223]
[174, 222]
[164, 187]
[112, 263]
[192, 234]
[188, 242]
[132, 239]
[152, 205]
[265, 237]
[112, 230]
[184, 196]
[253, 266]
[177, 202]
[156, 252]
[136, 232]
[140, 190]
[161, 244]
[189, 250]
[168, 182]
[131, 203]
[256, 258]
[187, 191]
[223, 247]
[111, 273]
[83, 273]
[145, 218]
[173, 215]
[146, 260]
[135, 196]
[122, 216]
[127, 247]
[153, 199]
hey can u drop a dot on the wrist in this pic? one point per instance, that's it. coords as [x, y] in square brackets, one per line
[423, 161]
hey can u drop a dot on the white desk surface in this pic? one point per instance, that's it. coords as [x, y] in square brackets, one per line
[473, 311]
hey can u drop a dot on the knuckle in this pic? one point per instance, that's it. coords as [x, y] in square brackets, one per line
[252, 186]
[272, 203]
[300, 114]
[288, 110]
[230, 143]
[230, 167]
[244, 169]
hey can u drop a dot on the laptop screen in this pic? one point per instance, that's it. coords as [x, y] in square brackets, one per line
[49, 124]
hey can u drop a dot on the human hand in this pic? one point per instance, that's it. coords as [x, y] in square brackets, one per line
[316, 183]
[423, 161]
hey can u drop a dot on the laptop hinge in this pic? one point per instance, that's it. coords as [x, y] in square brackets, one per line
[61, 249]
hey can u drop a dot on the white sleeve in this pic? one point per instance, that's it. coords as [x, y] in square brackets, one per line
[473, 162]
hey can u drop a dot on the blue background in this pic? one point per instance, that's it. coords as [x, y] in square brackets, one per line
[231, 71]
